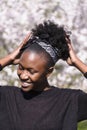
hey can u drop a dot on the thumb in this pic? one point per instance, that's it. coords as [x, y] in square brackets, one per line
[27, 37]
[15, 62]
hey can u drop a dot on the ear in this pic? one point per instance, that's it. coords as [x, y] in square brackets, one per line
[49, 71]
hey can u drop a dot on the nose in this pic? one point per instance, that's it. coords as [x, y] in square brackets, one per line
[24, 75]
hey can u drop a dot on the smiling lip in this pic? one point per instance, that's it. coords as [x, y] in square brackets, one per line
[25, 84]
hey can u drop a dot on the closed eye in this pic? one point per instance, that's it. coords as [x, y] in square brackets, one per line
[32, 71]
[20, 67]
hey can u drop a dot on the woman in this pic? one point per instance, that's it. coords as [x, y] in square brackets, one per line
[38, 105]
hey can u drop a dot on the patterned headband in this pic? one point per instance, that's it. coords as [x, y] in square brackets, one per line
[52, 51]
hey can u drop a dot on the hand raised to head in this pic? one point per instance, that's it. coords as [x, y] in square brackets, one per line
[27, 37]
[72, 55]
[15, 55]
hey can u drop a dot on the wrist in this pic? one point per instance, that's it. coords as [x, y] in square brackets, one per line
[6, 61]
[81, 66]
[75, 61]
[14, 54]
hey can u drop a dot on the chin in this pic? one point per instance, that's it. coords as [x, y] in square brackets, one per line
[26, 89]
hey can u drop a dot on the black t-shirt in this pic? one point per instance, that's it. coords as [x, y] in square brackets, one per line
[54, 109]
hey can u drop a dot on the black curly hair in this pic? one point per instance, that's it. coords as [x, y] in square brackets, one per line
[52, 34]
[55, 35]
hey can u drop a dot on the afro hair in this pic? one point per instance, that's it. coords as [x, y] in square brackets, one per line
[53, 34]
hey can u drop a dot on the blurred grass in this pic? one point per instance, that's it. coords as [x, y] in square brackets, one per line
[82, 125]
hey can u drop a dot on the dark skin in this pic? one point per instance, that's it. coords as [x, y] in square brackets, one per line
[33, 72]
[73, 60]
[26, 62]
[13, 58]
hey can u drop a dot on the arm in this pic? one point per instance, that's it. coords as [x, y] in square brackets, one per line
[13, 58]
[74, 60]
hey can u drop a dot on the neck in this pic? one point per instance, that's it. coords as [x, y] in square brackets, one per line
[43, 86]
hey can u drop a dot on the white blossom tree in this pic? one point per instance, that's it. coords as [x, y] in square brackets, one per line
[18, 17]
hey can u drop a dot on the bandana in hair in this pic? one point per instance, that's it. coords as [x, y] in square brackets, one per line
[52, 51]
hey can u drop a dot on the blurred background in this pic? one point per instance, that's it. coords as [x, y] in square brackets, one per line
[17, 18]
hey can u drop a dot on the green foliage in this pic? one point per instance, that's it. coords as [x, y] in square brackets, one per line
[82, 125]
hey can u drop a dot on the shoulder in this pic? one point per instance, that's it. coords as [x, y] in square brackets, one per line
[67, 92]
[6, 89]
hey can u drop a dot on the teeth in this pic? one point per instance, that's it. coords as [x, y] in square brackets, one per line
[25, 84]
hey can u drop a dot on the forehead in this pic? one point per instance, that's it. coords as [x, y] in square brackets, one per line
[32, 59]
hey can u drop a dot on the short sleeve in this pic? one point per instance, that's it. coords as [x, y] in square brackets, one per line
[82, 106]
[0, 92]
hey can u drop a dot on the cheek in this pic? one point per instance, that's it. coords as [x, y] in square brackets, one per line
[39, 78]
[36, 78]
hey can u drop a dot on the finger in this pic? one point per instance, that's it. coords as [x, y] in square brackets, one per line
[68, 40]
[28, 36]
[70, 46]
[16, 62]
